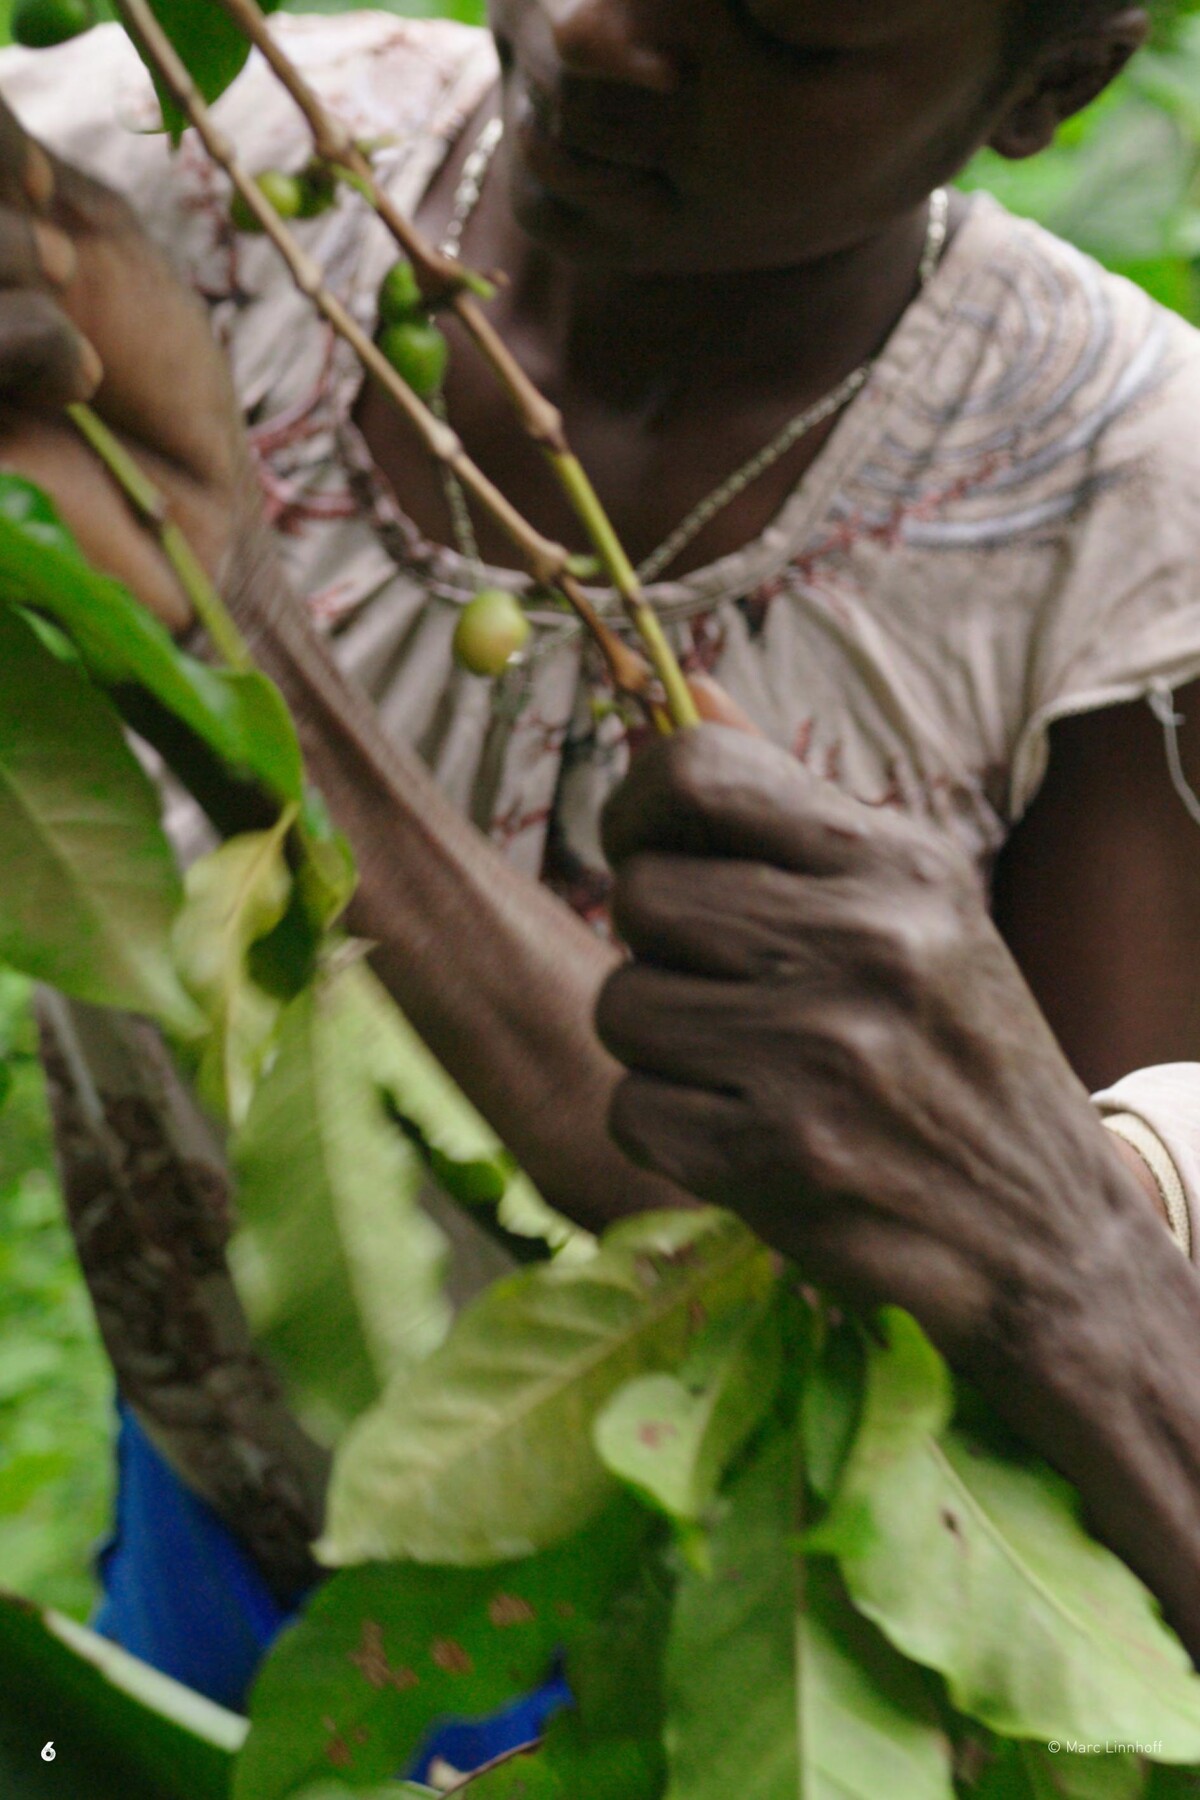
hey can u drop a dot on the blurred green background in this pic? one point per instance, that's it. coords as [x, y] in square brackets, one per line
[1124, 184]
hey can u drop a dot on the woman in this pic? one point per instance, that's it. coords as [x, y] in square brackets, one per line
[916, 482]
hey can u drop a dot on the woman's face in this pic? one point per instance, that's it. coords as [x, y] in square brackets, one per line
[675, 136]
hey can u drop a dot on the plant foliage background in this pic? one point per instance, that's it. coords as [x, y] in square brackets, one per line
[1124, 183]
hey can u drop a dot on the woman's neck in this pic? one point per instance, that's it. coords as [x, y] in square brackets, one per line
[668, 384]
[652, 343]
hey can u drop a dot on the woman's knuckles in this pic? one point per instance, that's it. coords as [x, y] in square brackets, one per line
[34, 254]
[57, 259]
[43, 359]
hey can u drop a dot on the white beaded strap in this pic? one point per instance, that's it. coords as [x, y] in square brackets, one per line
[749, 473]
[1153, 1152]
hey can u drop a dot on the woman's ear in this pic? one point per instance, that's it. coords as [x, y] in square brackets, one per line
[1065, 79]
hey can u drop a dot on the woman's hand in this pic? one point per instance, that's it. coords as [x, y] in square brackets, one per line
[826, 1034]
[89, 310]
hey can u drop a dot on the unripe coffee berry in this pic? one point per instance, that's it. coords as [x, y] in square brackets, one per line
[318, 190]
[39, 24]
[490, 632]
[400, 299]
[283, 193]
[418, 352]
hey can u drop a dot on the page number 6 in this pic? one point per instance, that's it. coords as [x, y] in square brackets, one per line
[48, 1753]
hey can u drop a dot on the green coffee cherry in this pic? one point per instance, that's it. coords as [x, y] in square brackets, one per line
[400, 298]
[490, 632]
[38, 24]
[283, 192]
[318, 190]
[418, 352]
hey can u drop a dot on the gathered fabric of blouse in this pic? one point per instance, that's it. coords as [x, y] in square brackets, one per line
[1003, 530]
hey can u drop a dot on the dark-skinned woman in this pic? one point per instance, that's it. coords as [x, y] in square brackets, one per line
[915, 482]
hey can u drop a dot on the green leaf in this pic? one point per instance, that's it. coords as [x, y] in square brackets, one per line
[831, 1407]
[285, 961]
[975, 1563]
[1071, 1774]
[90, 885]
[338, 1267]
[386, 1790]
[385, 1652]
[324, 878]
[529, 1777]
[775, 1687]
[327, 875]
[1171, 280]
[524, 1213]
[462, 1151]
[210, 44]
[485, 1451]
[1173, 1784]
[241, 717]
[609, 1745]
[615, 1771]
[673, 1437]
[233, 897]
[119, 1729]
[1033, 1772]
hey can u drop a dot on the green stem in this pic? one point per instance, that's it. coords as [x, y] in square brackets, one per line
[576, 485]
[152, 504]
[681, 706]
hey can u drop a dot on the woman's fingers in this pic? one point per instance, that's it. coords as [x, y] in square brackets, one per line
[733, 920]
[714, 791]
[34, 253]
[686, 1134]
[716, 707]
[26, 172]
[678, 1027]
[44, 360]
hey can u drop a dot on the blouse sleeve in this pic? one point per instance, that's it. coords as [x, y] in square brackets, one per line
[1124, 623]
[1157, 1111]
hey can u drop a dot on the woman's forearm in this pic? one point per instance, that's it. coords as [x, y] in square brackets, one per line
[1101, 1372]
[499, 978]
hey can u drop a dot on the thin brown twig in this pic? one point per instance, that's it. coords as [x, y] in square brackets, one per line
[441, 277]
[498, 1762]
[546, 561]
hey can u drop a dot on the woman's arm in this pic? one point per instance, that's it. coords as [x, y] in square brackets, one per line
[499, 978]
[826, 1034]
[1098, 893]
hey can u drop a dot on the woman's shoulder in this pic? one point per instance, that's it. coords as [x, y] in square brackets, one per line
[1048, 341]
[1039, 389]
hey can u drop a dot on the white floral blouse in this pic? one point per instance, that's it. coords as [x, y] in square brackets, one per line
[1003, 530]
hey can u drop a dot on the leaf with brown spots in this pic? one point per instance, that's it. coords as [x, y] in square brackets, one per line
[485, 1450]
[392, 1648]
[509, 1609]
[672, 1437]
[448, 1655]
[975, 1562]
